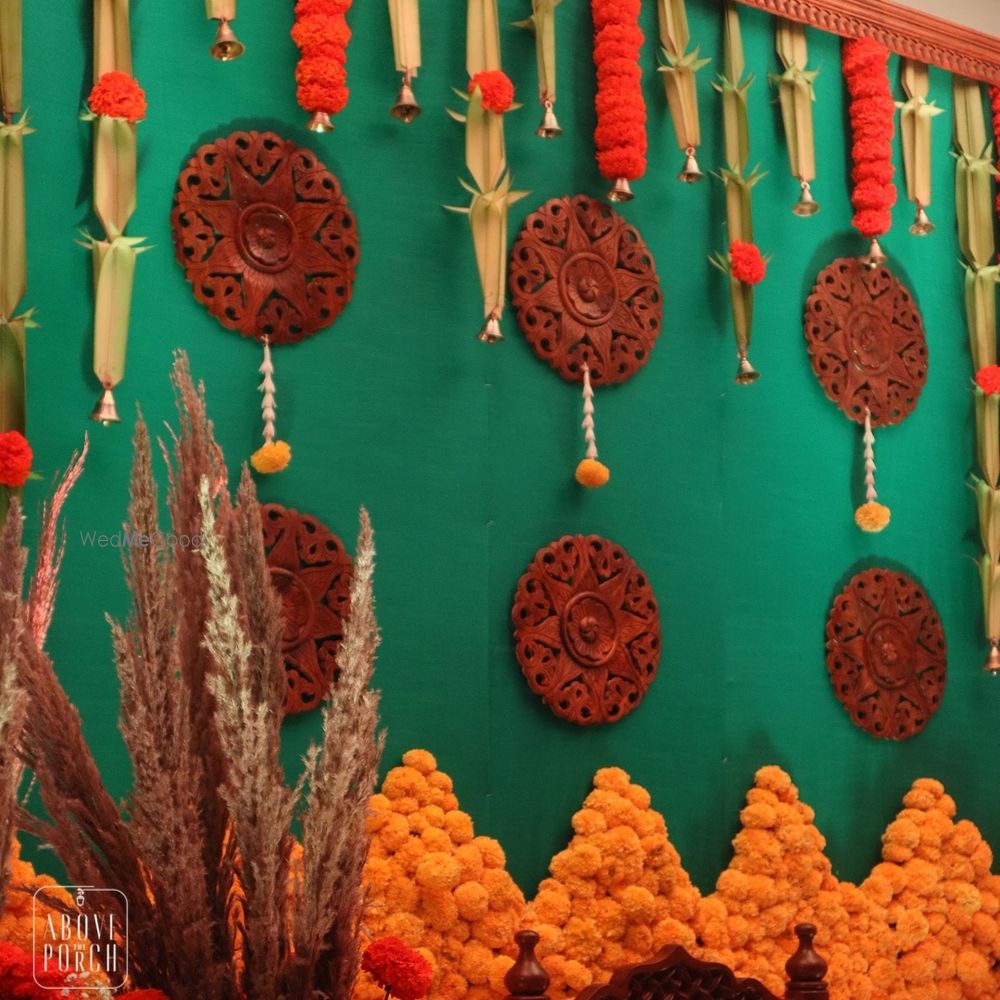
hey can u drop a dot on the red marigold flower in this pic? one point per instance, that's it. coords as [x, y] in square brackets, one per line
[146, 995]
[398, 969]
[988, 379]
[18, 976]
[118, 95]
[495, 90]
[746, 262]
[15, 458]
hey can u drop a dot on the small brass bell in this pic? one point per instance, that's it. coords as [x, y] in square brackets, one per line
[621, 191]
[319, 122]
[105, 412]
[992, 664]
[691, 173]
[406, 107]
[806, 205]
[875, 255]
[226, 45]
[549, 128]
[745, 372]
[921, 224]
[490, 333]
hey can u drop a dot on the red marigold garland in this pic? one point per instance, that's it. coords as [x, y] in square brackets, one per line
[321, 33]
[620, 136]
[402, 972]
[995, 109]
[865, 64]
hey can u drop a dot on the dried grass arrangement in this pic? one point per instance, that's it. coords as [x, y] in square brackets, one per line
[202, 846]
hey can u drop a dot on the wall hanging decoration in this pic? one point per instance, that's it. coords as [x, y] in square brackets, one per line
[620, 135]
[543, 23]
[743, 263]
[116, 103]
[678, 64]
[404, 17]
[489, 96]
[321, 33]
[915, 118]
[269, 245]
[586, 294]
[311, 571]
[226, 46]
[886, 654]
[974, 211]
[587, 629]
[796, 94]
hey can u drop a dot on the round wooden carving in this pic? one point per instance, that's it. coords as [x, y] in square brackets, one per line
[587, 629]
[312, 572]
[886, 654]
[866, 341]
[585, 289]
[264, 236]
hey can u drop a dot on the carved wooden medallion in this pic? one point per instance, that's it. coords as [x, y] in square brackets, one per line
[866, 341]
[886, 654]
[312, 572]
[587, 629]
[585, 289]
[264, 236]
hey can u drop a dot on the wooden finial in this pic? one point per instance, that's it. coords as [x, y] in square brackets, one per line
[526, 979]
[806, 970]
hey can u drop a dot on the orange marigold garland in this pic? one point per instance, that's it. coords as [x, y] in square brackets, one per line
[865, 65]
[620, 135]
[321, 33]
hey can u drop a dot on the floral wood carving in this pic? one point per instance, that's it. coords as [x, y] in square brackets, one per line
[265, 236]
[587, 629]
[866, 341]
[886, 654]
[312, 572]
[585, 290]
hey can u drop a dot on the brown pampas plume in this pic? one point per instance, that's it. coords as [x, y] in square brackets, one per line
[202, 846]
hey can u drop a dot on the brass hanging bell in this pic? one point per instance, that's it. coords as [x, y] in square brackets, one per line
[921, 224]
[226, 45]
[875, 255]
[992, 664]
[549, 128]
[806, 205]
[406, 107]
[490, 333]
[691, 173]
[319, 122]
[745, 372]
[105, 412]
[620, 191]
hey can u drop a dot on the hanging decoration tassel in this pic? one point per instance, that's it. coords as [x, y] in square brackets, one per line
[543, 23]
[678, 66]
[490, 94]
[915, 126]
[274, 454]
[404, 16]
[321, 33]
[744, 263]
[871, 515]
[865, 64]
[226, 46]
[590, 472]
[974, 210]
[796, 94]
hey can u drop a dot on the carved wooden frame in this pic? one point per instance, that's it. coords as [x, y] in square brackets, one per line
[912, 33]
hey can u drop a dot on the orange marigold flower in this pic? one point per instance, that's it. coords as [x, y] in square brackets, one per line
[118, 95]
[420, 760]
[472, 899]
[437, 870]
[495, 90]
[15, 459]
[746, 262]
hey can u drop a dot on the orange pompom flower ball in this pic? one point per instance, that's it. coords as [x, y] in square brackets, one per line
[402, 972]
[118, 95]
[591, 473]
[988, 379]
[272, 456]
[15, 458]
[495, 89]
[746, 262]
[872, 516]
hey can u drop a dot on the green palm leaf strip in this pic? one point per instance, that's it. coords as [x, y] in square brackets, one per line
[404, 19]
[543, 23]
[218, 9]
[10, 59]
[796, 96]
[678, 65]
[916, 115]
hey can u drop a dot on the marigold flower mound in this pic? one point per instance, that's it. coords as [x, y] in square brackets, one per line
[438, 887]
[616, 894]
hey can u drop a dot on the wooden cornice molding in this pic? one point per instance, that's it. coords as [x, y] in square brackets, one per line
[911, 33]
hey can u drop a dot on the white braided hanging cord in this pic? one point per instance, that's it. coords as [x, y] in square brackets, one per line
[588, 414]
[266, 388]
[869, 439]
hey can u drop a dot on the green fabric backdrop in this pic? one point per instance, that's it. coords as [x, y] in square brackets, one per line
[736, 501]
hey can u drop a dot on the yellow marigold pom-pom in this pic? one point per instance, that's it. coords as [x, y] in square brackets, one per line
[591, 473]
[271, 457]
[872, 516]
